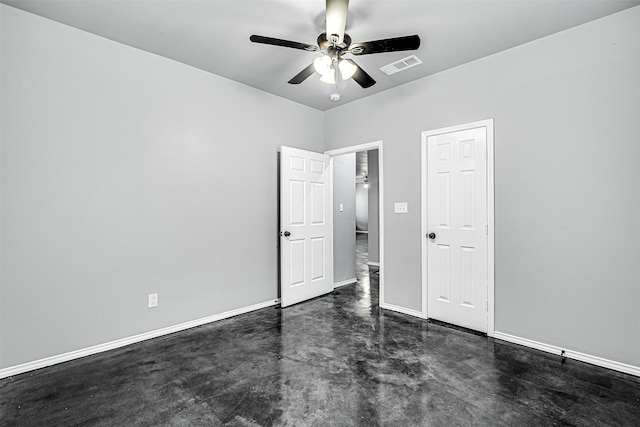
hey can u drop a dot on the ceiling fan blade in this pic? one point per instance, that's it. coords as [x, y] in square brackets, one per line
[361, 77]
[336, 19]
[302, 75]
[283, 43]
[386, 45]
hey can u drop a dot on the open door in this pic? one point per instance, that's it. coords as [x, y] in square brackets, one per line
[306, 242]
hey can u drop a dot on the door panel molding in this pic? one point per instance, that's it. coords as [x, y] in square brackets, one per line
[466, 151]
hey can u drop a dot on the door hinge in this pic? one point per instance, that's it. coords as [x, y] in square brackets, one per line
[486, 229]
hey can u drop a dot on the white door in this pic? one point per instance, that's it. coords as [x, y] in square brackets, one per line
[457, 228]
[306, 244]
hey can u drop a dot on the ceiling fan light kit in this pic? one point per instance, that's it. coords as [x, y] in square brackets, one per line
[322, 65]
[338, 44]
[329, 77]
[347, 69]
[325, 66]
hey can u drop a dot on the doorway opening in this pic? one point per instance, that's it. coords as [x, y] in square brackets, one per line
[358, 237]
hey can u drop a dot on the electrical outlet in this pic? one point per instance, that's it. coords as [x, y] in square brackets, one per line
[401, 208]
[153, 300]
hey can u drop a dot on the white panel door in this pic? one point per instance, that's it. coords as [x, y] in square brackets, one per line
[457, 271]
[306, 248]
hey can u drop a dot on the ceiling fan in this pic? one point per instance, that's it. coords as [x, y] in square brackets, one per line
[334, 43]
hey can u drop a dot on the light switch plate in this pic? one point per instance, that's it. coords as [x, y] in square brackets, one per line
[341, 207]
[401, 208]
[153, 300]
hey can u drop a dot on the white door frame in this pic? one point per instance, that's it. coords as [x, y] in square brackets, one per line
[376, 145]
[488, 124]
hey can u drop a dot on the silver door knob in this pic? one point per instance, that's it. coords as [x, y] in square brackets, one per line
[287, 234]
[432, 236]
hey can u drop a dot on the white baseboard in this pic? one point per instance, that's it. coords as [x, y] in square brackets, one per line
[344, 282]
[594, 360]
[373, 264]
[76, 354]
[402, 310]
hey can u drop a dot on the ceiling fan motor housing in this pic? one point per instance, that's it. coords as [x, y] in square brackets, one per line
[327, 44]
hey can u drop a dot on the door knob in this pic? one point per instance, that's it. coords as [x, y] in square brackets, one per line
[287, 234]
[431, 236]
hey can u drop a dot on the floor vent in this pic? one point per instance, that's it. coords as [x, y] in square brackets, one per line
[403, 64]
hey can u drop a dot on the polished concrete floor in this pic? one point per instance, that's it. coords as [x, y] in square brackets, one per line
[337, 360]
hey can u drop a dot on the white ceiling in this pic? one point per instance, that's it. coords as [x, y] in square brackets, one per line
[213, 35]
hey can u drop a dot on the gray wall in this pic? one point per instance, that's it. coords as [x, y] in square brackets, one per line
[117, 180]
[125, 173]
[374, 207]
[344, 223]
[567, 181]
